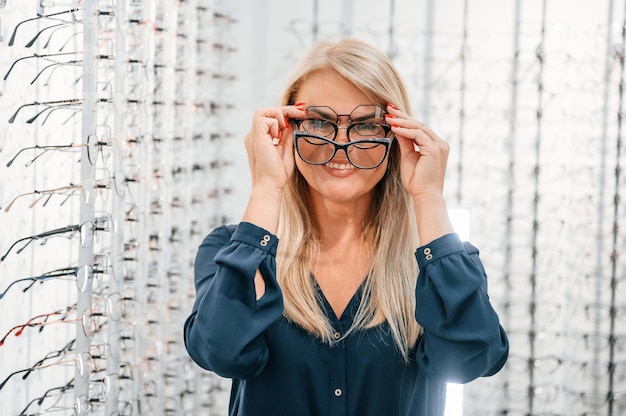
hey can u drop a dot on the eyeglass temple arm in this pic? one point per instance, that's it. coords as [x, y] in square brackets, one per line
[13, 283]
[15, 63]
[50, 233]
[34, 39]
[72, 62]
[13, 245]
[10, 162]
[66, 271]
[12, 39]
[50, 108]
[11, 375]
[12, 119]
[48, 103]
[35, 55]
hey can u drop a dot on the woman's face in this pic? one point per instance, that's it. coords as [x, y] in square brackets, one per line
[338, 180]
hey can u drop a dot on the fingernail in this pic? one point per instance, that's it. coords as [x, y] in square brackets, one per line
[390, 116]
[299, 105]
[392, 106]
[394, 125]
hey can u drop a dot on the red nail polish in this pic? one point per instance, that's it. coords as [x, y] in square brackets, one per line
[286, 122]
[390, 116]
[299, 105]
[392, 106]
[394, 125]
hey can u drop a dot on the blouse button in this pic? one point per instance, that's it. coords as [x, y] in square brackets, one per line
[266, 239]
[428, 253]
[337, 335]
[338, 392]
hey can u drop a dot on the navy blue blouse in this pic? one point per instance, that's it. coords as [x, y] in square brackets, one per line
[279, 369]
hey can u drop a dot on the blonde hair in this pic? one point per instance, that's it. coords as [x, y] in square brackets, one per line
[389, 229]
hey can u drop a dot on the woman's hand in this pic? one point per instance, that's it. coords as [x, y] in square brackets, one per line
[423, 161]
[424, 156]
[270, 154]
[270, 146]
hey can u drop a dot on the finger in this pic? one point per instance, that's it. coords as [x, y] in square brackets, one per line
[401, 119]
[293, 111]
[418, 136]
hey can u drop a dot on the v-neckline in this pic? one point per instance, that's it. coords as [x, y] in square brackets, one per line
[350, 308]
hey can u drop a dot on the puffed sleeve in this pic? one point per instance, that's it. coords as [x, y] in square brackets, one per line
[462, 337]
[225, 330]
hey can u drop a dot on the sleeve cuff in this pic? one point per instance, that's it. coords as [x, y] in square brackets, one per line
[256, 237]
[439, 248]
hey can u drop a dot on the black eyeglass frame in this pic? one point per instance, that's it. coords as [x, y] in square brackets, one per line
[301, 134]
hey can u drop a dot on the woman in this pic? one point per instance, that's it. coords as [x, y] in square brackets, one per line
[334, 319]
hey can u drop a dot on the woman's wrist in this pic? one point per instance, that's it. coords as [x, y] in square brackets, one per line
[264, 207]
[431, 215]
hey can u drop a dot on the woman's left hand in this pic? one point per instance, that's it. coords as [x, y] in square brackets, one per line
[422, 168]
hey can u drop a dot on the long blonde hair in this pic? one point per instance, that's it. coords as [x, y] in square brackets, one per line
[389, 230]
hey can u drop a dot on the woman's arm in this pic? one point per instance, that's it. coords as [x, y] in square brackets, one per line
[462, 337]
[225, 330]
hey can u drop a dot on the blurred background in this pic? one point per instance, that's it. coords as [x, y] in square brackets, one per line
[121, 147]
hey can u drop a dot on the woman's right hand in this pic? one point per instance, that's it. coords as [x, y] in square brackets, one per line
[269, 145]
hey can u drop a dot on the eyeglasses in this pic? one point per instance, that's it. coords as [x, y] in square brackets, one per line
[40, 321]
[52, 16]
[87, 190]
[49, 106]
[94, 147]
[113, 310]
[369, 137]
[84, 275]
[86, 230]
[50, 398]
[44, 149]
[51, 355]
[85, 364]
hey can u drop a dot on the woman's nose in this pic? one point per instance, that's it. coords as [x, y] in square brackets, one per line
[342, 134]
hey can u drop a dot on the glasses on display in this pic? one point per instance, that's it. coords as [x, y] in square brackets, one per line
[91, 319]
[95, 148]
[46, 57]
[49, 356]
[86, 232]
[86, 189]
[369, 137]
[39, 321]
[71, 147]
[143, 250]
[50, 399]
[82, 275]
[58, 16]
[84, 363]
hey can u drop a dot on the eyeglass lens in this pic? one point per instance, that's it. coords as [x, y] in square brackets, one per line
[365, 154]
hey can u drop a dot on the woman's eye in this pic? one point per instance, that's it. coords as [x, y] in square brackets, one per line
[317, 124]
[368, 128]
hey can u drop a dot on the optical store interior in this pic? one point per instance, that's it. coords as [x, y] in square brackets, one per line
[121, 148]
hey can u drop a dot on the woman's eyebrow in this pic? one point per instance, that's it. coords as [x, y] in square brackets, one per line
[332, 115]
[373, 115]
